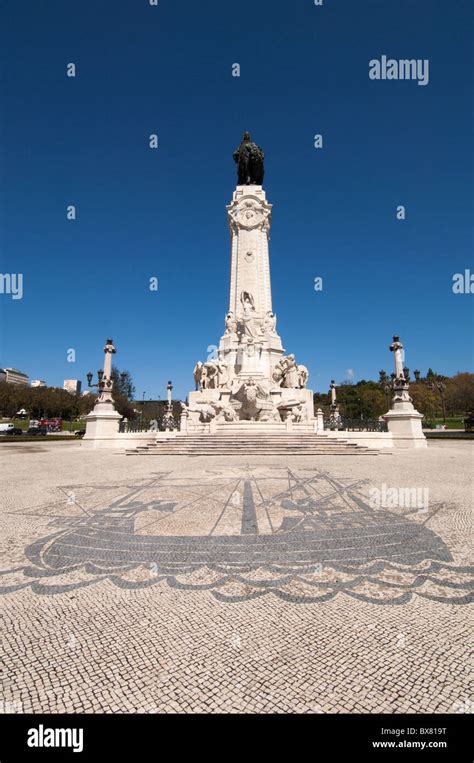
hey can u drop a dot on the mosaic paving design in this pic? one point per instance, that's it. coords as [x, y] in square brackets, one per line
[303, 535]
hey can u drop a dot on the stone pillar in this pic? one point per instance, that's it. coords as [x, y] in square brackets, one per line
[251, 348]
[102, 424]
[319, 421]
[334, 416]
[403, 421]
[183, 421]
[251, 345]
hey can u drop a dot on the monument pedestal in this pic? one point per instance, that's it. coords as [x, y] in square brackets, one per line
[405, 428]
[102, 425]
[403, 420]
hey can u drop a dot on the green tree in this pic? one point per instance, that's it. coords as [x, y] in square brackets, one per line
[123, 383]
[460, 393]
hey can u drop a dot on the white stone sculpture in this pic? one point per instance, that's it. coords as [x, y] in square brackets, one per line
[278, 372]
[396, 347]
[212, 373]
[290, 377]
[250, 328]
[303, 376]
[270, 414]
[403, 420]
[250, 367]
[203, 377]
[269, 323]
[198, 375]
[231, 324]
[297, 412]
[222, 374]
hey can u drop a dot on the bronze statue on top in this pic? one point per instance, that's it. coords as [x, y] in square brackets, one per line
[249, 158]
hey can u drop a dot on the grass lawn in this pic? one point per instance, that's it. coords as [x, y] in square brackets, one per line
[454, 423]
[67, 425]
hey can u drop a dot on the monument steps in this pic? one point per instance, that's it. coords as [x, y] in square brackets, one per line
[258, 444]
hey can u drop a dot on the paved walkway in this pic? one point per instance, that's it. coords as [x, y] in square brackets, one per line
[183, 584]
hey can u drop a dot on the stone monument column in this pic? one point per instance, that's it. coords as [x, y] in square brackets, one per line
[403, 421]
[334, 416]
[102, 424]
[250, 379]
[253, 347]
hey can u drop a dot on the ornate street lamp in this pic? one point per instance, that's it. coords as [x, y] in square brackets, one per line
[168, 418]
[103, 422]
[334, 415]
[104, 377]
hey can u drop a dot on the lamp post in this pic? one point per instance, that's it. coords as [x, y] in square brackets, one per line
[334, 415]
[385, 384]
[168, 419]
[102, 423]
[403, 420]
[105, 383]
[441, 387]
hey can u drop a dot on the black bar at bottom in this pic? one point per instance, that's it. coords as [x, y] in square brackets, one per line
[151, 737]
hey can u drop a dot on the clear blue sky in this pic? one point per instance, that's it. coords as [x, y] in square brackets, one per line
[143, 213]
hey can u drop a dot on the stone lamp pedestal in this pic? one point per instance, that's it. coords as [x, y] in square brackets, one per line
[102, 424]
[403, 420]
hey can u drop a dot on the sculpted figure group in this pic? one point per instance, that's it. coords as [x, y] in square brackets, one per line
[290, 375]
[249, 328]
[214, 374]
[211, 375]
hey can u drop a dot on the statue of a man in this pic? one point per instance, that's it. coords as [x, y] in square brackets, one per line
[269, 322]
[222, 374]
[249, 326]
[303, 376]
[230, 324]
[198, 375]
[249, 159]
[290, 378]
[211, 374]
[278, 372]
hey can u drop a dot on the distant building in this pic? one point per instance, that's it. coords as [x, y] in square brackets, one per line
[38, 383]
[13, 376]
[73, 386]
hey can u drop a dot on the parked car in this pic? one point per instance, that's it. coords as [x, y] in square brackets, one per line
[6, 428]
[34, 431]
[79, 433]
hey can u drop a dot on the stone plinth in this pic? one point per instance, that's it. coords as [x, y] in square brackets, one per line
[102, 425]
[405, 428]
[404, 421]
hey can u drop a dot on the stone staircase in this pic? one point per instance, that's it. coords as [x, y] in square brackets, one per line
[257, 443]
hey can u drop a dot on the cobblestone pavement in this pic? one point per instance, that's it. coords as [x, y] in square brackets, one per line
[218, 585]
